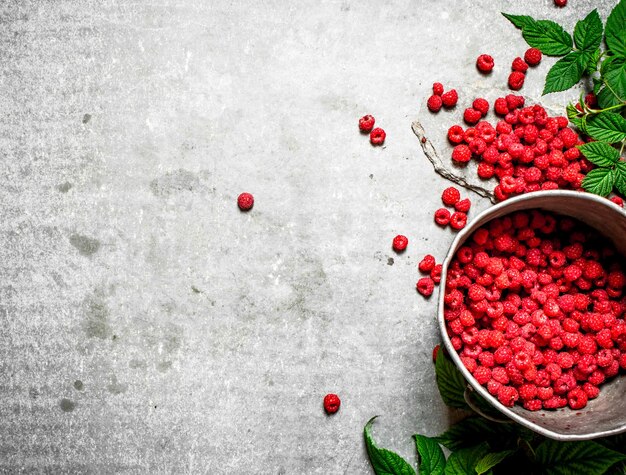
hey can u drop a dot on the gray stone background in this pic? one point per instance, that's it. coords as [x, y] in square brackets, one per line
[149, 326]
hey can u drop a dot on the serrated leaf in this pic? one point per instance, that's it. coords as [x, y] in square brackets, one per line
[491, 460]
[549, 37]
[469, 431]
[384, 462]
[520, 21]
[592, 63]
[450, 382]
[614, 91]
[464, 461]
[599, 181]
[607, 127]
[566, 72]
[565, 458]
[588, 32]
[615, 442]
[615, 33]
[600, 153]
[432, 459]
[620, 184]
[572, 115]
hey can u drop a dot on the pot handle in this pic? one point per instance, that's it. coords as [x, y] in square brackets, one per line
[467, 395]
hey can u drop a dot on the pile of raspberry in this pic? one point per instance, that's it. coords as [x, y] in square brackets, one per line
[526, 150]
[534, 307]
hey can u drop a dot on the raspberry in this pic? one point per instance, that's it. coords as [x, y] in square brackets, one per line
[555, 402]
[450, 196]
[427, 263]
[527, 392]
[425, 286]
[516, 80]
[591, 391]
[572, 273]
[366, 123]
[485, 170]
[616, 280]
[482, 375]
[507, 396]
[532, 56]
[434, 103]
[587, 345]
[486, 359]
[577, 398]
[519, 65]
[481, 105]
[471, 115]
[377, 136]
[437, 89]
[399, 243]
[484, 63]
[617, 200]
[458, 220]
[545, 393]
[462, 153]
[331, 403]
[455, 134]
[560, 3]
[245, 201]
[450, 98]
[435, 274]
[493, 387]
[442, 217]
[436, 352]
[463, 206]
[522, 360]
[592, 270]
[500, 107]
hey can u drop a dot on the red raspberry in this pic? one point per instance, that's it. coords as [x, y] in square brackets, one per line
[591, 391]
[592, 270]
[522, 360]
[435, 274]
[500, 375]
[616, 280]
[458, 220]
[545, 393]
[532, 56]
[555, 402]
[484, 63]
[493, 387]
[331, 403]
[436, 352]
[577, 398]
[519, 65]
[481, 105]
[455, 134]
[477, 146]
[527, 391]
[617, 200]
[516, 80]
[434, 103]
[427, 263]
[471, 116]
[450, 98]
[500, 107]
[442, 217]
[377, 136]
[507, 396]
[450, 196]
[461, 153]
[425, 286]
[463, 206]
[572, 273]
[482, 375]
[560, 3]
[485, 170]
[437, 89]
[245, 201]
[587, 345]
[399, 243]
[366, 123]
[533, 405]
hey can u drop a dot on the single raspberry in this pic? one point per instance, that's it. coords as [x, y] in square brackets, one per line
[591, 391]
[425, 286]
[560, 3]
[462, 153]
[458, 220]
[377, 136]
[434, 103]
[519, 65]
[427, 263]
[435, 274]
[477, 146]
[591, 100]
[436, 352]
[450, 98]
[455, 134]
[471, 115]
[532, 56]
[484, 63]
[450, 196]
[533, 405]
[481, 105]
[245, 201]
[331, 403]
[516, 80]
[463, 206]
[482, 375]
[616, 280]
[437, 89]
[527, 392]
[555, 402]
[617, 200]
[399, 243]
[442, 217]
[507, 395]
[366, 123]
[577, 398]
[500, 107]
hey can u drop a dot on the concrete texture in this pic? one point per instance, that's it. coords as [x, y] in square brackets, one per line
[147, 324]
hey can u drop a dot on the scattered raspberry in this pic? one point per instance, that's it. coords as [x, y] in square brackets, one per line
[435, 274]
[434, 103]
[516, 80]
[532, 56]
[450, 98]
[245, 201]
[399, 243]
[462, 153]
[463, 206]
[484, 63]
[519, 65]
[427, 263]
[366, 123]
[455, 134]
[450, 196]
[425, 286]
[471, 116]
[560, 3]
[481, 105]
[331, 403]
[436, 352]
[377, 136]
[458, 220]
[437, 89]
[442, 217]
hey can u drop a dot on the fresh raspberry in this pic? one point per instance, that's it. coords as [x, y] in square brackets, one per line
[591, 391]
[477, 146]
[435, 274]
[455, 134]
[463, 206]
[442, 217]
[377, 136]
[482, 375]
[577, 398]
[617, 200]
[592, 270]
[399, 243]
[527, 391]
[555, 402]
[450, 98]
[425, 286]
[427, 263]
[616, 280]
[471, 115]
[437, 89]
[450, 196]
[532, 56]
[572, 273]
[500, 107]
[484, 63]
[434, 103]
[545, 393]
[485, 170]
[331, 403]
[560, 3]
[516, 80]
[519, 65]
[462, 153]
[366, 123]
[436, 352]
[493, 387]
[587, 345]
[245, 201]
[507, 395]
[481, 105]
[591, 100]
[458, 220]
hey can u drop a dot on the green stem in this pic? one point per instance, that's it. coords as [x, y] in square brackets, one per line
[598, 111]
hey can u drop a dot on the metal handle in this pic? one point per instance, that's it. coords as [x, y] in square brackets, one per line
[468, 399]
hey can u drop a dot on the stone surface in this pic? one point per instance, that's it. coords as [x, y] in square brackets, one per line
[147, 324]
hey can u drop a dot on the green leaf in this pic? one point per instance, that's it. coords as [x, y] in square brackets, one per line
[588, 32]
[469, 431]
[592, 63]
[615, 34]
[450, 382]
[464, 461]
[572, 115]
[619, 469]
[600, 153]
[607, 127]
[599, 181]
[614, 442]
[620, 184]
[549, 37]
[614, 91]
[520, 21]
[432, 460]
[566, 72]
[491, 460]
[565, 458]
[384, 462]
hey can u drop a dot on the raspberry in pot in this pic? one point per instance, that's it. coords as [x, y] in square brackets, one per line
[366, 123]
[434, 103]
[427, 263]
[516, 80]
[442, 217]
[331, 403]
[532, 56]
[245, 201]
[450, 196]
[450, 98]
[484, 63]
[425, 286]
[377, 136]
[437, 89]
[399, 243]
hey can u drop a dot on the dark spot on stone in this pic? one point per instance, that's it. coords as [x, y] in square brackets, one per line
[96, 322]
[164, 366]
[86, 118]
[137, 364]
[78, 385]
[116, 387]
[196, 290]
[155, 407]
[86, 246]
[64, 187]
[114, 337]
[67, 405]
[390, 261]
[371, 176]
[33, 393]
[174, 182]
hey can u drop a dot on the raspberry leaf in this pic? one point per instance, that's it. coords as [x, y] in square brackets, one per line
[491, 460]
[620, 184]
[384, 462]
[432, 460]
[588, 32]
[607, 127]
[563, 458]
[572, 115]
[614, 90]
[549, 37]
[600, 153]
[467, 432]
[464, 461]
[520, 21]
[566, 72]
[450, 382]
[599, 181]
[615, 34]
